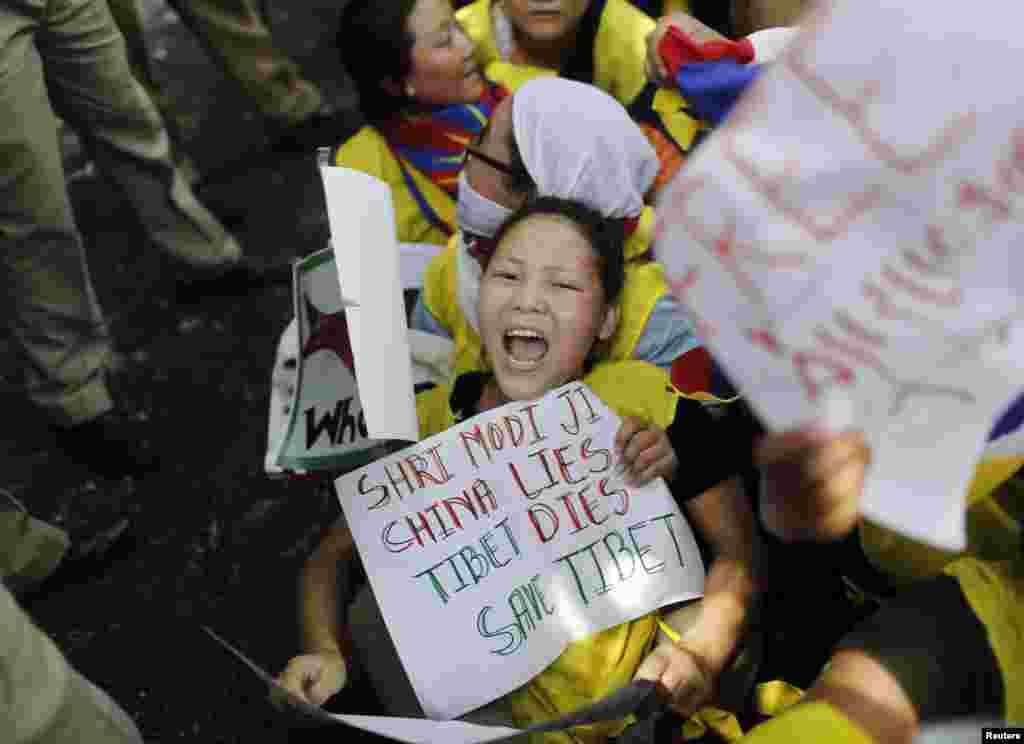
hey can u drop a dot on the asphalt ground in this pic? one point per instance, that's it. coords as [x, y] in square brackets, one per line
[217, 542]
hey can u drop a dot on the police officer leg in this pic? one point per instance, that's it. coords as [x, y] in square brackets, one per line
[91, 84]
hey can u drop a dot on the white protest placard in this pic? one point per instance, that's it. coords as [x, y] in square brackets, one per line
[848, 243]
[615, 706]
[362, 223]
[493, 545]
[321, 424]
[316, 418]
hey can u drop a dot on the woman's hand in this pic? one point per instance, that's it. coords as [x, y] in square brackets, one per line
[313, 678]
[656, 71]
[683, 679]
[812, 483]
[644, 452]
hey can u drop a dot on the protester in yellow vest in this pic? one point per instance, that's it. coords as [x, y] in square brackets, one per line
[949, 644]
[418, 146]
[548, 296]
[535, 144]
[424, 98]
[602, 42]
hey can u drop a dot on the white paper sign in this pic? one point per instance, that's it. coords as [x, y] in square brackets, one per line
[362, 224]
[615, 706]
[320, 424]
[316, 419]
[494, 544]
[849, 243]
[410, 730]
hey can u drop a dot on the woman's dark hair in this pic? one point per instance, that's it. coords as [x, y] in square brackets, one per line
[375, 46]
[606, 236]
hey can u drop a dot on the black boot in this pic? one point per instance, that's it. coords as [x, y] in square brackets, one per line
[89, 557]
[111, 445]
[235, 279]
[319, 130]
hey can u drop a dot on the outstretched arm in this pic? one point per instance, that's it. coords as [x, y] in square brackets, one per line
[321, 671]
[811, 483]
[711, 629]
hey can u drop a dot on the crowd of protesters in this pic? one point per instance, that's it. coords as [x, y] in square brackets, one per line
[527, 139]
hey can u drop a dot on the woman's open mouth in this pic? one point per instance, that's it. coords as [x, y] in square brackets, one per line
[525, 347]
[545, 7]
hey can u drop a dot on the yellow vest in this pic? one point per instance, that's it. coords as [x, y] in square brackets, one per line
[368, 151]
[630, 388]
[992, 533]
[620, 45]
[645, 283]
[513, 76]
[674, 112]
[990, 571]
[995, 591]
[598, 665]
[813, 722]
[669, 124]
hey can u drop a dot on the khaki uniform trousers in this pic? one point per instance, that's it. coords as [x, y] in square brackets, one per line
[67, 57]
[30, 549]
[42, 699]
[240, 41]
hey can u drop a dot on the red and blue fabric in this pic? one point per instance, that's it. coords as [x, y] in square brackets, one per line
[711, 75]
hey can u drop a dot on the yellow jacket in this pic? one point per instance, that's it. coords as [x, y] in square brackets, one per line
[619, 45]
[513, 76]
[645, 283]
[992, 533]
[368, 151]
[990, 571]
[598, 665]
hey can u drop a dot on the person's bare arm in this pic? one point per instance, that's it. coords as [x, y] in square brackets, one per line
[321, 671]
[320, 589]
[724, 517]
[711, 628]
[811, 483]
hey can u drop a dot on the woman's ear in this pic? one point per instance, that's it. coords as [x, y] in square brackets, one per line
[610, 323]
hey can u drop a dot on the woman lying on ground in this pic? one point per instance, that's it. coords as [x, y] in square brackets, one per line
[557, 269]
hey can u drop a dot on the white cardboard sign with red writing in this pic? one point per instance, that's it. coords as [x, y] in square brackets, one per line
[849, 242]
[491, 546]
